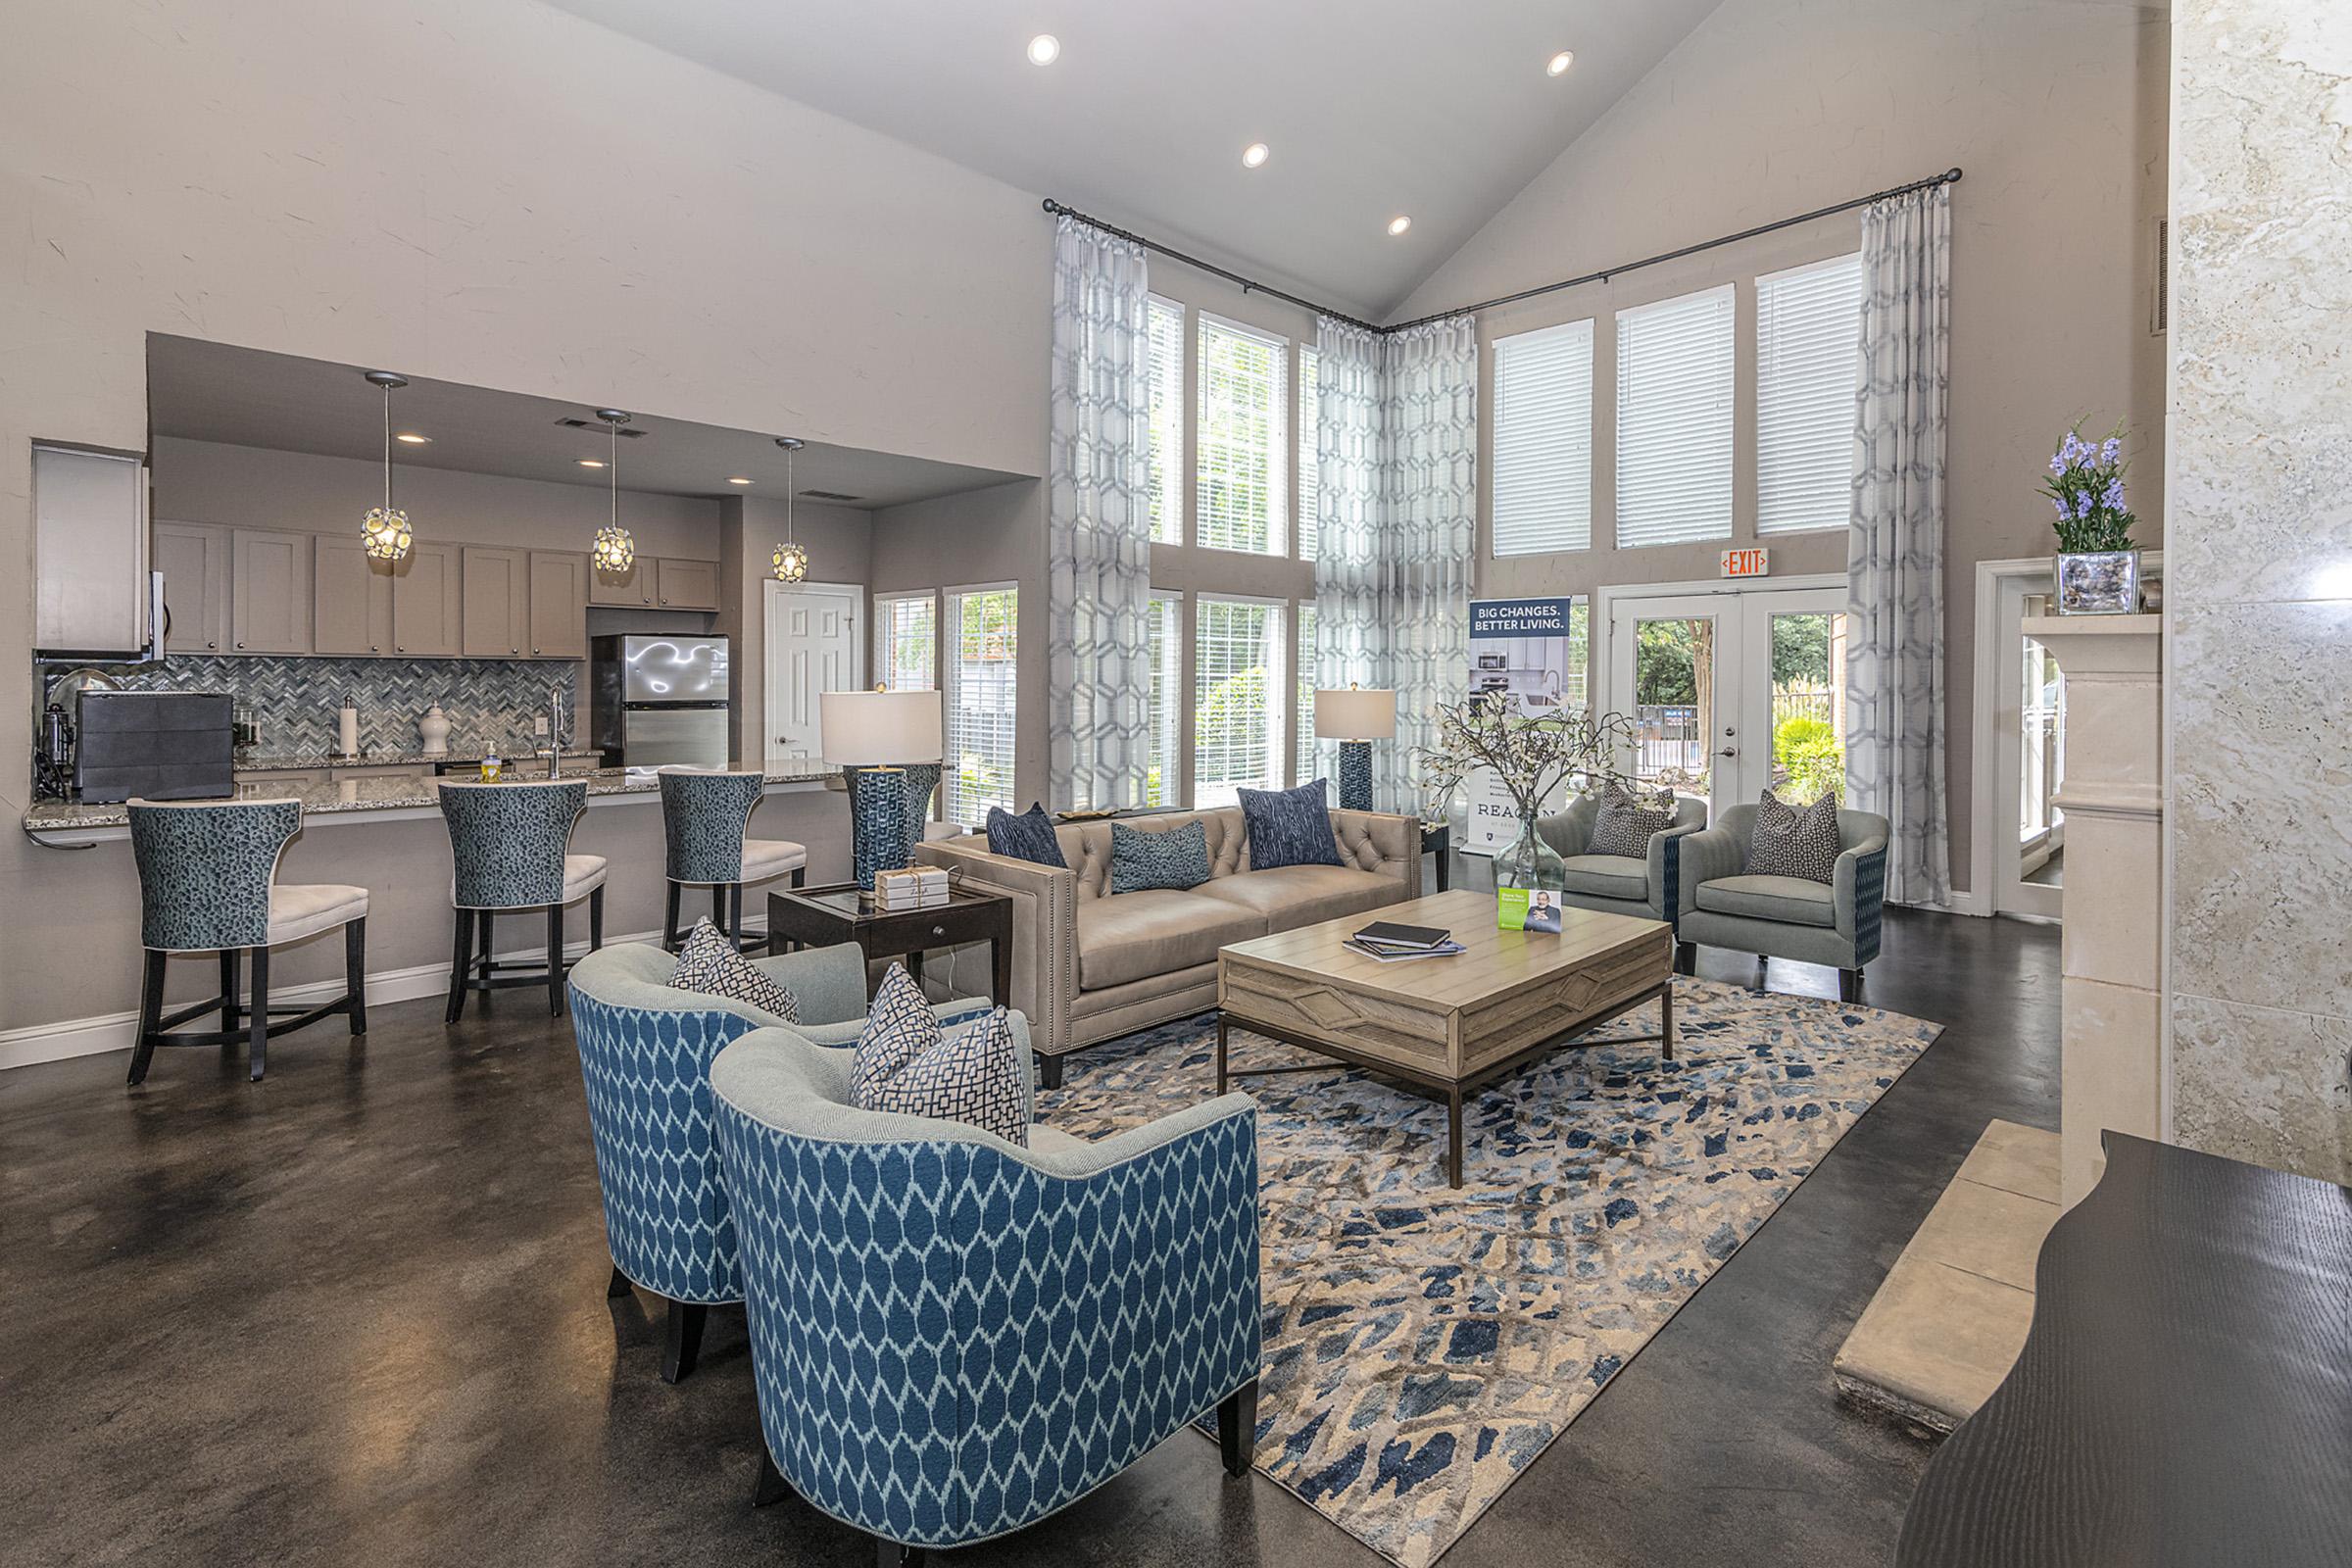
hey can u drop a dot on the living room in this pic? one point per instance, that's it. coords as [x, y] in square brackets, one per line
[1203, 481]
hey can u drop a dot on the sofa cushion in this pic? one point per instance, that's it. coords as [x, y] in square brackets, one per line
[1626, 822]
[1027, 835]
[1129, 936]
[1789, 899]
[1608, 876]
[974, 1072]
[1291, 896]
[1172, 858]
[1290, 827]
[709, 965]
[1789, 843]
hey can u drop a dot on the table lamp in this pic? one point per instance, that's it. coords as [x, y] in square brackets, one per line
[1356, 718]
[876, 732]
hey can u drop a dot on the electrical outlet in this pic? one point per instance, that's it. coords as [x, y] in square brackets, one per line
[539, 726]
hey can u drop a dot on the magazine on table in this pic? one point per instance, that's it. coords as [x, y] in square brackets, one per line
[1388, 954]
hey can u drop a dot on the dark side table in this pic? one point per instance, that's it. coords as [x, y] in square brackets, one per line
[1436, 838]
[816, 917]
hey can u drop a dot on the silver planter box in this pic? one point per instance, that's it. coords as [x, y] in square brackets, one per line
[2098, 582]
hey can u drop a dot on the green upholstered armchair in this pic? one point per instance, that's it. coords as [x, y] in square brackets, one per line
[1835, 923]
[1650, 887]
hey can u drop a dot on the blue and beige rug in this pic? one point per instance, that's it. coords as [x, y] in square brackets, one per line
[1423, 1344]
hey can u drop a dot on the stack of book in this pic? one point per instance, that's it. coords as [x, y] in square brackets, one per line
[918, 887]
[1392, 942]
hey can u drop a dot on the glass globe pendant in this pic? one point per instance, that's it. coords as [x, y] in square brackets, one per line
[613, 550]
[790, 561]
[384, 533]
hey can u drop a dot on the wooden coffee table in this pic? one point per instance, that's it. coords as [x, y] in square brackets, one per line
[1450, 1026]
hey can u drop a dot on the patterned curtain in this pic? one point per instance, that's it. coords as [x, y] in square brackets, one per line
[1098, 523]
[1351, 646]
[1429, 506]
[1894, 559]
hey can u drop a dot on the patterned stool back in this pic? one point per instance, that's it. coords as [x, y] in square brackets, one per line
[703, 816]
[205, 868]
[922, 782]
[506, 841]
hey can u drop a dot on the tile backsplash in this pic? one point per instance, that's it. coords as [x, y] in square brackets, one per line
[489, 703]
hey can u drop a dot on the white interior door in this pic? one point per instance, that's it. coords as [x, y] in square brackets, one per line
[813, 646]
[1672, 670]
[2028, 717]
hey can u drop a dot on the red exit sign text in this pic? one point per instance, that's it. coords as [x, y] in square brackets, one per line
[1746, 564]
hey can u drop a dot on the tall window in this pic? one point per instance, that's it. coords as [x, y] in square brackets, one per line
[1808, 365]
[1543, 440]
[983, 639]
[1674, 421]
[1237, 697]
[906, 641]
[1164, 330]
[1166, 646]
[1310, 462]
[1310, 765]
[1242, 446]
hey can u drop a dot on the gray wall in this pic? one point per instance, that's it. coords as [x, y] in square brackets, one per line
[2056, 110]
[2258, 606]
[839, 545]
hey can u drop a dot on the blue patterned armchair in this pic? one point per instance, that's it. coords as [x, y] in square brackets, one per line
[1649, 889]
[1834, 923]
[953, 1338]
[646, 1050]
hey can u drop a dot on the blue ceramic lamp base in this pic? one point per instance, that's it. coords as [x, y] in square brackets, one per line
[1355, 775]
[878, 823]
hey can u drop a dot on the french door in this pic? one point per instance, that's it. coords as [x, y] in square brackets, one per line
[2028, 836]
[1734, 691]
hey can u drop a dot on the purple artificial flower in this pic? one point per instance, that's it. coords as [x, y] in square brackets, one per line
[2114, 498]
[2060, 503]
[2111, 448]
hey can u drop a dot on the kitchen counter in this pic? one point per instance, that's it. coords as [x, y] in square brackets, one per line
[357, 799]
[289, 762]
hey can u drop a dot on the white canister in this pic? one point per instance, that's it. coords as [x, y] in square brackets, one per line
[433, 730]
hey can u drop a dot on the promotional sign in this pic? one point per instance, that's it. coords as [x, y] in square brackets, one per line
[1524, 654]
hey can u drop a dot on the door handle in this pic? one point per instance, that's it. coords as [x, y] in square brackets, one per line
[1729, 751]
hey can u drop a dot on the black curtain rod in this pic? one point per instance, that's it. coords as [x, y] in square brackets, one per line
[1250, 286]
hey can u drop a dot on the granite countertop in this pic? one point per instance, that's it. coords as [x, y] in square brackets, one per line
[362, 794]
[276, 762]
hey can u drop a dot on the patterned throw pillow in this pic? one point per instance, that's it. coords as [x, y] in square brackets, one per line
[1290, 827]
[907, 1064]
[1626, 822]
[1789, 842]
[709, 964]
[1028, 836]
[1174, 858]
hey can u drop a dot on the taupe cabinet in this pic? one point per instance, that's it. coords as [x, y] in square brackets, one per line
[665, 582]
[266, 591]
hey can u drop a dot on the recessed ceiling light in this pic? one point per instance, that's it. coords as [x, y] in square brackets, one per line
[739, 480]
[1399, 223]
[1558, 65]
[1255, 155]
[413, 439]
[1044, 49]
[592, 463]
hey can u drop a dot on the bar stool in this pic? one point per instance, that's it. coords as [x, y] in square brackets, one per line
[508, 846]
[705, 815]
[208, 882]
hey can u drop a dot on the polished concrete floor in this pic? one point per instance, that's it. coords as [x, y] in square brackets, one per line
[355, 1314]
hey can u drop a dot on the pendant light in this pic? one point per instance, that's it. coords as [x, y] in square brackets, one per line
[614, 551]
[789, 558]
[384, 532]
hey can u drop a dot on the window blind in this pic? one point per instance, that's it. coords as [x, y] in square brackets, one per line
[1310, 462]
[1808, 365]
[906, 641]
[984, 637]
[1543, 440]
[1164, 364]
[1238, 691]
[1674, 421]
[1165, 650]
[1242, 453]
[1310, 765]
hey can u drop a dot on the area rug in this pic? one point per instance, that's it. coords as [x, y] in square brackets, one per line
[1423, 1343]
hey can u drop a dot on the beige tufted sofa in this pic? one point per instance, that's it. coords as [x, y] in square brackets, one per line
[1089, 964]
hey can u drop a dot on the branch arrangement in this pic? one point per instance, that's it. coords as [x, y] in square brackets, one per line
[1531, 756]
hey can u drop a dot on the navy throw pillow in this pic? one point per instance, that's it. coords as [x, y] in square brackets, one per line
[1290, 827]
[1174, 858]
[1026, 837]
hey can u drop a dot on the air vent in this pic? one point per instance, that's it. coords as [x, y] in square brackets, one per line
[626, 434]
[2161, 316]
[827, 495]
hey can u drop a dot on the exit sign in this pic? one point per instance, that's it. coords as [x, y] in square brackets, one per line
[1746, 564]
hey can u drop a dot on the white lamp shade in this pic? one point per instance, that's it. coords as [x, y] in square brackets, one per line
[1356, 714]
[880, 729]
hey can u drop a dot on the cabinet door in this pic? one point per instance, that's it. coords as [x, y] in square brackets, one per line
[193, 558]
[352, 608]
[634, 586]
[270, 592]
[559, 605]
[688, 584]
[425, 603]
[498, 602]
[89, 553]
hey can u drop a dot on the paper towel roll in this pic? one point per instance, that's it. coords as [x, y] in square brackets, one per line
[347, 733]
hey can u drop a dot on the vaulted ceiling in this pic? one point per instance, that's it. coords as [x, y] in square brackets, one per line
[1436, 109]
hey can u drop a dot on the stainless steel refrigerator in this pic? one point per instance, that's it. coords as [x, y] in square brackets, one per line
[657, 701]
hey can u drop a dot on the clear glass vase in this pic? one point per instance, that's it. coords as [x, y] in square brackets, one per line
[1530, 863]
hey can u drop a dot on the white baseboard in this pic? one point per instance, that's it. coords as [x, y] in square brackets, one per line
[119, 1031]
